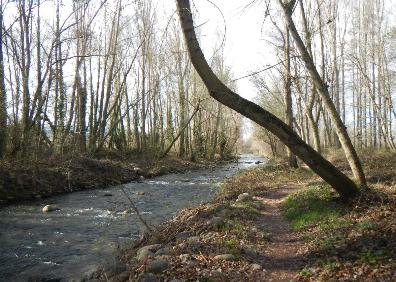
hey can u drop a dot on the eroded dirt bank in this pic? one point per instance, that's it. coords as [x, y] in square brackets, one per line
[21, 181]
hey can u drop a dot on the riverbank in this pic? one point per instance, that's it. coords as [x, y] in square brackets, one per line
[23, 181]
[290, 226]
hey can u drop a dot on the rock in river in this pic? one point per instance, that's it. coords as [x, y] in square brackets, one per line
[50, 208]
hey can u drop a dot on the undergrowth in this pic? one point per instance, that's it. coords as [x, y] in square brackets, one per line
[352, 241]
[312, 205]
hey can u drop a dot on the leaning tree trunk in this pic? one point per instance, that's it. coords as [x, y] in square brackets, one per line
[341, 130]
[340, 182]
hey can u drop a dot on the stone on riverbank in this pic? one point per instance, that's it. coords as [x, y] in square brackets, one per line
[137, 170]
[113, 267]
[163, 251]
[147, 251]
[256, 266]
[244, 197]
[147, 277]
[183, 235]
[226, 257]
[193, 241]
[157, 266]
[217, 222]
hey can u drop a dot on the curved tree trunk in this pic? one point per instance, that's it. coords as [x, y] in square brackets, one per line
[340, 182]
[341, 130]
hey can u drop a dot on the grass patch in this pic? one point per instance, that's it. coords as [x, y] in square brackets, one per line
[235, 227]
[312, 205]
[248, 209]
[232, 247]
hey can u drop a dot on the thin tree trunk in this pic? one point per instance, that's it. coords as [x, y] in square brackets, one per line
[322, 88]
[288, 97]
[3, 94]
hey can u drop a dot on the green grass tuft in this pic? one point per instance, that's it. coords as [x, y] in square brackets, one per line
[312, 205]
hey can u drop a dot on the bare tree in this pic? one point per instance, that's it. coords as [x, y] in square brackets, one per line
[341, 183]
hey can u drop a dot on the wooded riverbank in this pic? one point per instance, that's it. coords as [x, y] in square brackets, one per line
[293, 227]
[21, 181]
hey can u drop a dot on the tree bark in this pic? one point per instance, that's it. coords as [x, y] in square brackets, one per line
[340, 182]
[288, 96]
[3, 96]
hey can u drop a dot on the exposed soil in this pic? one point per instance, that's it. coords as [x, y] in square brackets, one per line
[21, 181]
[283, 259]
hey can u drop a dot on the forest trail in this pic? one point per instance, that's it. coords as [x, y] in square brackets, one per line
[282, 259]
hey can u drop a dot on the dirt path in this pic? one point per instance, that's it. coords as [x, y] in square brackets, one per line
[281, 260]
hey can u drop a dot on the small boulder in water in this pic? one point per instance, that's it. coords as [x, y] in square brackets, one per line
[50, 208]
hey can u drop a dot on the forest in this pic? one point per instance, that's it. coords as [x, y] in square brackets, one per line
[127, 94]
[86, 75]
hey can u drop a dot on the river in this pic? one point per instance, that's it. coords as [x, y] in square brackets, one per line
[92, 224]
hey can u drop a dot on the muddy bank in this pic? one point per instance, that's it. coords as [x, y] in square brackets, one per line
[22, 181]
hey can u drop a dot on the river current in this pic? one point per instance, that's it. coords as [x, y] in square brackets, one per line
[92, 224]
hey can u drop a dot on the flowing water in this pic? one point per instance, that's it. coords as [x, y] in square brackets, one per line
[91, 224]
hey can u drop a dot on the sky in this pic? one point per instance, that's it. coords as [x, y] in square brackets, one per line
[242, 29]
[241, 26]
[244, 50]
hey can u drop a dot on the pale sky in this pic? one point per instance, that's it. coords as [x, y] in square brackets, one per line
[245, 51]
